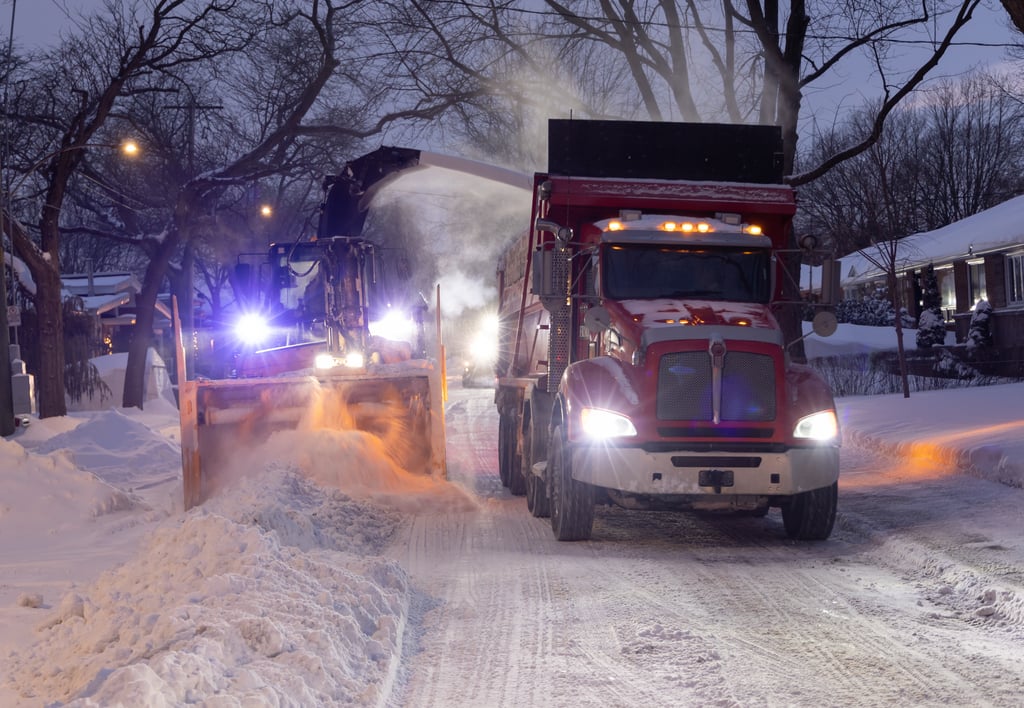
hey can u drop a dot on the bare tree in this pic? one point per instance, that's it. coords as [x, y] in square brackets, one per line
[1015, 9]
[314, 78]
[79, 86]
[665, 60]
[974, 151]
[872, 197]
[955, 152]
[889, 258]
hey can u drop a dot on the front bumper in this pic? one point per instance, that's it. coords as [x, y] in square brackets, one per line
[634, 470]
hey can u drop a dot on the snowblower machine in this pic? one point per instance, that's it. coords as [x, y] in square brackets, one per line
[314, 351]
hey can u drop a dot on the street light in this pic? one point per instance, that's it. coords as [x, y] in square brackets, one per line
[127, 147]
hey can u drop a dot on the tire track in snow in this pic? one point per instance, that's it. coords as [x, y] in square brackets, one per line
[663, 609]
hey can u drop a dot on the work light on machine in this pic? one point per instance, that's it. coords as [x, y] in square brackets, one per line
[252, 329]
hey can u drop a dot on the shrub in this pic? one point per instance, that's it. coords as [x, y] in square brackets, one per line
[931, 327]
[979, 335]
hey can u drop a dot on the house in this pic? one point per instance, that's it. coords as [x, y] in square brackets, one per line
[977, 258]
[110, 298]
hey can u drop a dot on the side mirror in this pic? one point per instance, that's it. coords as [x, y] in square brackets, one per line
[824, 324]
[597, 319]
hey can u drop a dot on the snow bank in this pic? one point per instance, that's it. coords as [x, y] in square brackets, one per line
[273, 592]
[112, 370]
[212, 607]
[953, 425]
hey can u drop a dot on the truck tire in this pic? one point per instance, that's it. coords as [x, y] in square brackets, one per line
[537, 497]
[809, 516]
[516, 480]
[506, 446]
[536, 488]
[572, 502]
[509, 459]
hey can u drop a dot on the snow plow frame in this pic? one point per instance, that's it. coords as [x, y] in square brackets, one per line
[219, 416]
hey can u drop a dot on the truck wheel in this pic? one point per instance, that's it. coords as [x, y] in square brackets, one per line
[537, 497]
[505, 424]
[536, 488]
[809, 516]
[572, 502]
[509, 459]
[516, 480]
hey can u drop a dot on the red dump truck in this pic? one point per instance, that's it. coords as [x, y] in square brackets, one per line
[641, 363]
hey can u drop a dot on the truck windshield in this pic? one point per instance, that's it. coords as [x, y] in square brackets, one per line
[653, 271]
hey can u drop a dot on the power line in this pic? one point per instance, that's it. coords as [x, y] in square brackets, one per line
[690, 27]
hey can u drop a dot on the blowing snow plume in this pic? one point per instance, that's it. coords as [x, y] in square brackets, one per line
[453, 226]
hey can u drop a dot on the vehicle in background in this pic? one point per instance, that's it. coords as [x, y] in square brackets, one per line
[481, 353]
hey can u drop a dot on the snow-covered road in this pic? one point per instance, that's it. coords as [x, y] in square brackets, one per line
[329, 576]
[917, 599]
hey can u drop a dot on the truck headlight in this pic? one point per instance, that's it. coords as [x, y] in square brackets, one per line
[821, 426]
[601, 424]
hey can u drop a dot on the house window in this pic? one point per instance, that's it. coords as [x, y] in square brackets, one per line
[1015, 279]
[976, 281]
[947, 288]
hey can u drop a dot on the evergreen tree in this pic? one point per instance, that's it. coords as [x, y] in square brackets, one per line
[979, 335]
[931, 326]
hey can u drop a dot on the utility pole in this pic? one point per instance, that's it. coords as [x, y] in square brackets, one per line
[6, 393]
[188, 262]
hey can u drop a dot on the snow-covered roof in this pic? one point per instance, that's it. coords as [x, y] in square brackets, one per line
[995, 229]
[104, 303]
[102, 283]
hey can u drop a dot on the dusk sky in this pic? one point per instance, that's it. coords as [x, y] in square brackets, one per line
[39, 22]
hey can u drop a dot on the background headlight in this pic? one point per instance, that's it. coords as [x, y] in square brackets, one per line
[601, 424]
[818, 426]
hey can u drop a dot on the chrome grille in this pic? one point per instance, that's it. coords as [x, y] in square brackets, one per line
[685, 383]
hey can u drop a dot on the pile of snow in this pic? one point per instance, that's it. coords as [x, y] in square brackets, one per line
[273, 592]
[111, 368]
[214, 607]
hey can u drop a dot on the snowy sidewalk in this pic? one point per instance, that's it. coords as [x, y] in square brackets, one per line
[980, 430]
